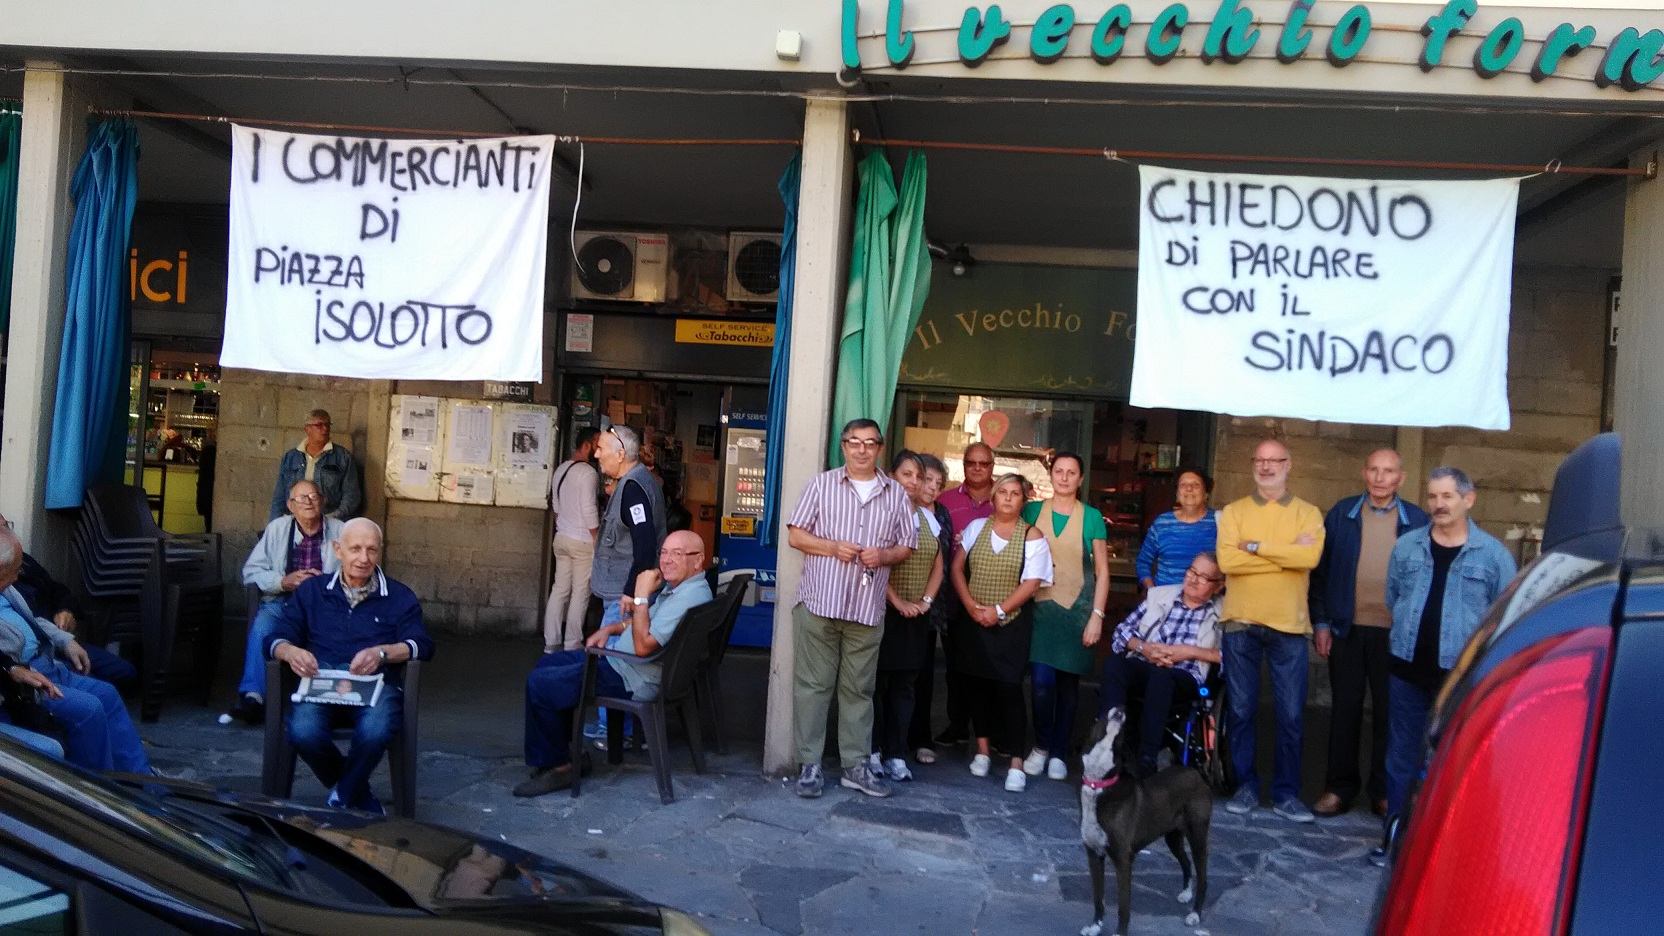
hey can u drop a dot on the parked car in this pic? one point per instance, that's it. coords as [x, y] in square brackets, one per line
[1539, 811]
[107, 856]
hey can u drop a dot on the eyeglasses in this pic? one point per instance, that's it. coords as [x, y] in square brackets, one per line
[979, 464]
[681, 552]
[317, 425]
[1270, 461]
[1192, 573]
[304, 498]
[863, 443]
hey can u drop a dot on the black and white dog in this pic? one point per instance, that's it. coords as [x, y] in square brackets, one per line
[1120, 815]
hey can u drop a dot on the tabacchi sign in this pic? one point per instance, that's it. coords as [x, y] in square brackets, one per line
[1631, 59]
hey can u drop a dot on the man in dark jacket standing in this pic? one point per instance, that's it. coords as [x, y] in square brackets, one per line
[331, 467]
[1351, 624]
[358, 620]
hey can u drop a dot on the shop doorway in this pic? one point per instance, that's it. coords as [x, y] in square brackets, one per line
[1132, 455]
[172, 424]
[706, 442]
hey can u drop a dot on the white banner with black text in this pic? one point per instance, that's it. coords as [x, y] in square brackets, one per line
[387, 259]
[1343, 300]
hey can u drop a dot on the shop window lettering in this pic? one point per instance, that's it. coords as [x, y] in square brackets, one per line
[1633, 59]
[143, 279]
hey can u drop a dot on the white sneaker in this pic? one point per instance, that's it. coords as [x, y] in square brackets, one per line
[1057, 769]
[896, 769]
[980, 764]
[1015, 781]
[1034, 762]
[875, 764]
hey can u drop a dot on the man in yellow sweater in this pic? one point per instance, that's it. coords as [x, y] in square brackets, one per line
[1269, 542]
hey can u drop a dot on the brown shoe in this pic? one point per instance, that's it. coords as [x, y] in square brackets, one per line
[1379, 807]
[1329, 804]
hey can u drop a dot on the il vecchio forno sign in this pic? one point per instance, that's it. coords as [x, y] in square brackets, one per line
[1232, 31]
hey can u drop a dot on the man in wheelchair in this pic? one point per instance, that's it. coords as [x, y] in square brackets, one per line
[1163, 652]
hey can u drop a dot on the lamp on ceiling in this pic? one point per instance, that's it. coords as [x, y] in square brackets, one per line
[957, 257]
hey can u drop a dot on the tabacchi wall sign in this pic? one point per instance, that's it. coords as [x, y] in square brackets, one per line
[1631, 59]
[387, 259]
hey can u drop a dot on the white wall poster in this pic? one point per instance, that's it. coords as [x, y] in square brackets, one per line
[1344, 300]
[387, 259]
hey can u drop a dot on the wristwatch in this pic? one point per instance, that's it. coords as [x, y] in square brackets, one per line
[383, 652]
[644, 599]
[999, 611]
[1252, 547]
[928, 600]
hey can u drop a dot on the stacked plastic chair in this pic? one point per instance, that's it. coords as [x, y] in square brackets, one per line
[148, 589]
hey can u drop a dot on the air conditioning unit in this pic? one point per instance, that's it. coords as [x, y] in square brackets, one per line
[753, 266]
[629, 267]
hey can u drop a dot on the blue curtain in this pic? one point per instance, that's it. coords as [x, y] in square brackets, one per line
[89, 423]
[777, 372]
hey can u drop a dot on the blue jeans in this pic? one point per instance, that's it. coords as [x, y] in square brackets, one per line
[1407, 710]
[552, 690]
[1285, 654]
[373, 728]
[40, 742]
[1055, 694]
[254, 655]
[98, 734]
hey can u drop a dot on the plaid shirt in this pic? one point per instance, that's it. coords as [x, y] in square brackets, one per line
[306, 552]
[1182, 625]
[830, 509]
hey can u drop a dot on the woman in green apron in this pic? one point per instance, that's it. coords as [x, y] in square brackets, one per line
[911, 592]
[1068, 613]
[998, 564]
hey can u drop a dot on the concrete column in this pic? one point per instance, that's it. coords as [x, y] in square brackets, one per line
[1411, 445]
[1639, 387]
[53, 138]
[823, 218]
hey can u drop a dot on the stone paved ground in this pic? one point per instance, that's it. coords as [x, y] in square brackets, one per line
[948, 853]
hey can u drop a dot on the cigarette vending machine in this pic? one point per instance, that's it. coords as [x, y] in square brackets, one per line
[738, 550]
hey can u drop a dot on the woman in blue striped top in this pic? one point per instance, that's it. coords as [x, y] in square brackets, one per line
[1178, 535]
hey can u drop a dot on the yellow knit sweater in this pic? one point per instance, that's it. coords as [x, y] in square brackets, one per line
[1269, 586]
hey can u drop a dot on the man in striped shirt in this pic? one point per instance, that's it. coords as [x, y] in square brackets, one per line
[851, 525]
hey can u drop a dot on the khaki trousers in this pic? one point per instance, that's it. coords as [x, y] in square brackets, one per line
[830, 654]
[563, 617]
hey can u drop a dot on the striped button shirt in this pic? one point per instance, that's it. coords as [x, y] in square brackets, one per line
[831, 509]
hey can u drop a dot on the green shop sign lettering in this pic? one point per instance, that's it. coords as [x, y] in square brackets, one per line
[1028, 330]
[1633, 59]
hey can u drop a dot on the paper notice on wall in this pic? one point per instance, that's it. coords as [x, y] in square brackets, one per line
[420, 423]
[528, 439]
[580, 333]
[469, 488]
[470, 436]
[416, 469]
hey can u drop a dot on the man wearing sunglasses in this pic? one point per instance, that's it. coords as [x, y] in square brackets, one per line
[632, 527]
[851, 525]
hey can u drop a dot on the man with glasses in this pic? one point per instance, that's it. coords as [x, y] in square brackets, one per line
[851, 525]
[667, 593]
[1269, 542]
[971, 500]
[632, 527]
[329, 466]
[293, 548]
[1162, 651]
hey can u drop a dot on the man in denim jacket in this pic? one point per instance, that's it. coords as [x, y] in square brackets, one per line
[1440, 582]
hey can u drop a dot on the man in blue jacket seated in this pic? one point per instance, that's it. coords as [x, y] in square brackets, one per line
[359, 620]
[661, 598]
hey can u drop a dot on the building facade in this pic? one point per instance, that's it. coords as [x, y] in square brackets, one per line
[677, 122]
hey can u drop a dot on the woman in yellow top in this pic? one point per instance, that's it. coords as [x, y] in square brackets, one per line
[1068, 613]
[998, 564]
[907, 631]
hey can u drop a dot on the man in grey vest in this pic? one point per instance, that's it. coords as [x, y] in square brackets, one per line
[631, 529]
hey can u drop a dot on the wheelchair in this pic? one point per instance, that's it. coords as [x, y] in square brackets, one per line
[1196, 735]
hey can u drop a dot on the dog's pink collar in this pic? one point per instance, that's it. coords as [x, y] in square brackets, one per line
[1103, 784]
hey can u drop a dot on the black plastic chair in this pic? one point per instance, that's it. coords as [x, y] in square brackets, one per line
[277, 767]
[681, 658]
[708, 685]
